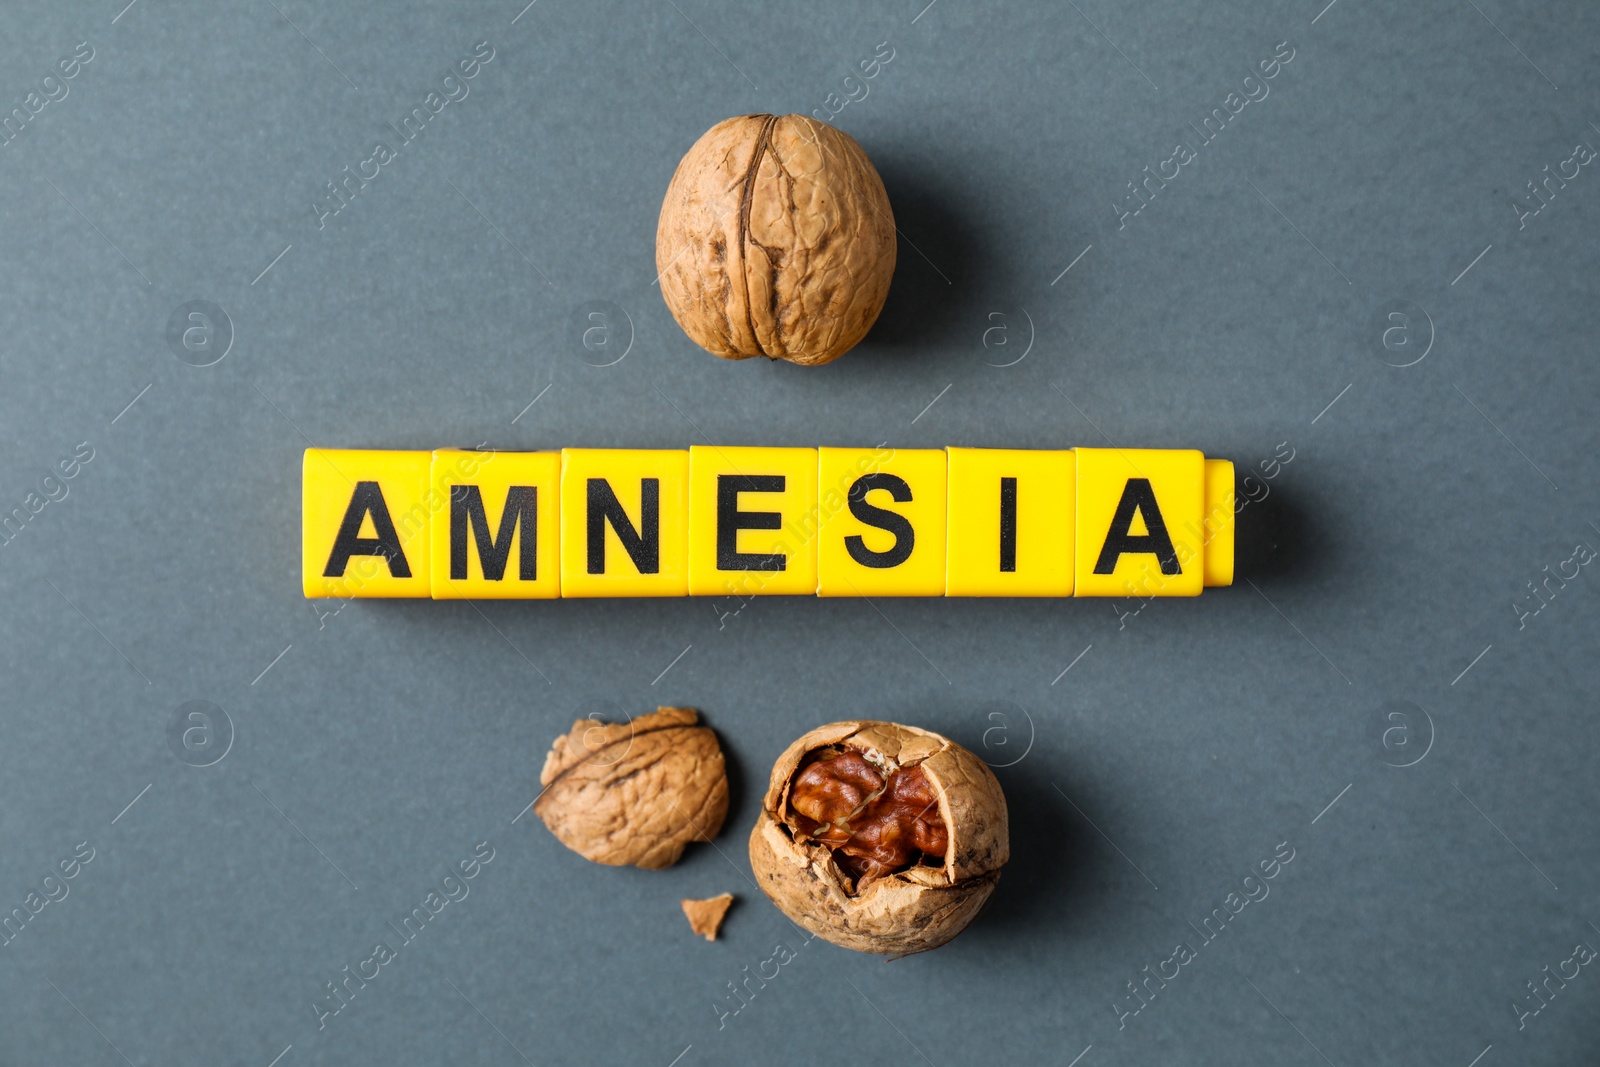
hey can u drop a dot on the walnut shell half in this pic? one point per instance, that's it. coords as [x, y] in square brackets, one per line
[776, 239]
[634, 792]
[847, 841]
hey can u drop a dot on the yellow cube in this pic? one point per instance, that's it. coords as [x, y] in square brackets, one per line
[498, 537]
[881, 518]
[1218, 532]
[624, 522]
[364, 523]
[1011, 522]
[751, 526]
[1139, 522]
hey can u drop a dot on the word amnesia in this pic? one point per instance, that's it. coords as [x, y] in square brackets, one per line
[714, 521]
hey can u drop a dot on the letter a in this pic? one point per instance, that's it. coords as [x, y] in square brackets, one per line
[367, 500]
[1137, 498]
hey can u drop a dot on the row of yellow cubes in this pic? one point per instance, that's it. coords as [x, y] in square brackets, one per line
[711, 521]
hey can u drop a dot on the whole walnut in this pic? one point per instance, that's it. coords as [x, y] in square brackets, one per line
[880, 837]
[776, 240]
[635, 792]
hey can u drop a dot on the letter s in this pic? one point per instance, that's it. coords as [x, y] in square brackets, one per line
[82, 456]
[905, 538]
[478, 851]
[78, 53]
[478, 50]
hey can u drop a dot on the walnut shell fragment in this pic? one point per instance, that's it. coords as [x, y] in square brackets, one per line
[880, 837]
[776, 239]
[635, 792]
[705, 916]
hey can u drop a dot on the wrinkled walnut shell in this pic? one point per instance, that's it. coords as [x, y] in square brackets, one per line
[634, 792]
[910, 910]
[775, 239]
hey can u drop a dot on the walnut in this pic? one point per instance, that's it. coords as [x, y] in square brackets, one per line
[776, 239]
[636, 792]
[880, 837]
[705, 916]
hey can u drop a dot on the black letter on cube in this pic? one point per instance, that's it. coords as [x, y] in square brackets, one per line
[1137, 496]
[644, 545]
[466, 510]
[366, 500]
[730, 520]
[905, 538]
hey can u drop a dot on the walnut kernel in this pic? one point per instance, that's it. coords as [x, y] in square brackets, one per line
[880, 837]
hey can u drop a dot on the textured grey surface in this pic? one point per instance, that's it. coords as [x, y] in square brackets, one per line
[373, 749]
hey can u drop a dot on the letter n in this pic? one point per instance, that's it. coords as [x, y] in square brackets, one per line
[642, 545]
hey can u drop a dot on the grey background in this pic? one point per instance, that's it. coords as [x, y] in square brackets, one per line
[373, 748]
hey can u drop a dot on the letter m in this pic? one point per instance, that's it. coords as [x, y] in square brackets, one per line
[467, 513]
